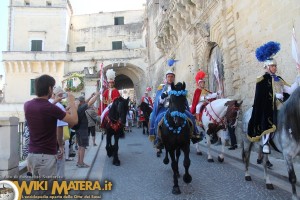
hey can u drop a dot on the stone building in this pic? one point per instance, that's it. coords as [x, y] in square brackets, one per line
[46, 38]
[203, 33]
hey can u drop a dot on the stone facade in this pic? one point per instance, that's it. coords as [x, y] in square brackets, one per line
[68, 44]
[202, 33]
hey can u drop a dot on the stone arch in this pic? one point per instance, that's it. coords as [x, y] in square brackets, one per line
[128, 75]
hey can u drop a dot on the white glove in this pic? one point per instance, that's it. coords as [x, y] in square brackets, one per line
[219, 92]
[279, 96]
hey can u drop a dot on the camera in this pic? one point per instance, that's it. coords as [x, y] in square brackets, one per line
[64, 95]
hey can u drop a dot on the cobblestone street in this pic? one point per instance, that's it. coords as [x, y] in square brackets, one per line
[144, 176]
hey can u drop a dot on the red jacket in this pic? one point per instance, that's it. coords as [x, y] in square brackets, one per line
[107, 100]
[196, 98]
[147, 100]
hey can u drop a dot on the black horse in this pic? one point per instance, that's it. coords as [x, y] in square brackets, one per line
[175, 133]
[146, 112]
[114, 123]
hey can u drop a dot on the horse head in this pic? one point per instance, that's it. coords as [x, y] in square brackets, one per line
[231, 114]
[119, 110]
[146, 110]
[177, 104]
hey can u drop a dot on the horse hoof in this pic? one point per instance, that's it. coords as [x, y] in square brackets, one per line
[199, 153]
[116, 162]
[220, 159]
[166, 161]
[187, 178]
[270, 186]
[210, 160]
[109, 151]
[176, 190]
[248, 178]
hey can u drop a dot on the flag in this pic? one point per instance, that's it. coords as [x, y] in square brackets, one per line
[216, 72]
[101, 86]
[295, 50]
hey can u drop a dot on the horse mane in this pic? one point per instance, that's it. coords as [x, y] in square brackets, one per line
[289, 115]
[113, 111]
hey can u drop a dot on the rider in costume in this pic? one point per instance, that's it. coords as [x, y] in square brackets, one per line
[147, 99]
[110, 94]
[271, 91]
[201, 95]
[161, 105]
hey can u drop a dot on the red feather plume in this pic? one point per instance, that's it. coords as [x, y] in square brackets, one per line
[200, 76]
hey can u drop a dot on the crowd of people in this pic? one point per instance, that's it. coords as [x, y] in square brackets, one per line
[50, 124]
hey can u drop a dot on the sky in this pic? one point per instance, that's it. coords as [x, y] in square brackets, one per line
[79, 7]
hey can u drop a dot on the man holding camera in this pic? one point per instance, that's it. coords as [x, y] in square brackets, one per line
[42, 116]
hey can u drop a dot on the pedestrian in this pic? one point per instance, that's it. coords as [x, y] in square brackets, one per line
[42, 117]
[82, 135]
[271, 91]
[26, 136]
[92, 121]
[129, 120]
[58, 94]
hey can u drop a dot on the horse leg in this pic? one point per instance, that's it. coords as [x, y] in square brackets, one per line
[209, 157]
[187, 178]
[178, 152]
[144, 127]
[174, 164]
[108, 146]
[147, 126]
[221, 156]
[292, 176]
[198, 149]
[166, 159]
[116, 160]
[246, 152]
[269, 185]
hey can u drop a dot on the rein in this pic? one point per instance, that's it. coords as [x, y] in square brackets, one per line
[214, 120]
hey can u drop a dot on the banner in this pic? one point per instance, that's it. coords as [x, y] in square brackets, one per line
[295, 51]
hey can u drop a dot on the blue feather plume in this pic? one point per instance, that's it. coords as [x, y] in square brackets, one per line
[266, 51]
[171, 62]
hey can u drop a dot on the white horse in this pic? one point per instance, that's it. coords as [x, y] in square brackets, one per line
[217, 115]
[286, 139]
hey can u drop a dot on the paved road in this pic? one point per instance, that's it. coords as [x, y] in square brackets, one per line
[144, 176]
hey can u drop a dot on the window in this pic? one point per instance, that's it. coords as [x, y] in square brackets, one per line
[116, 45]
[119, 20]
[36, 45]
[49, 3]
[80, 49]
[32, 87]
[27, 3]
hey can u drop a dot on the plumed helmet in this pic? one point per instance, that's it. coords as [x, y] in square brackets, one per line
[266, 52]
[111, 75]
[200, 76]
[148, 89]
[170, 72]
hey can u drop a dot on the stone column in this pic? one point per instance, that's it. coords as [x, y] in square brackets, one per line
[9, 146]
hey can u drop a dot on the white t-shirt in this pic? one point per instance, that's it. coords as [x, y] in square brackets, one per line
[59, 122]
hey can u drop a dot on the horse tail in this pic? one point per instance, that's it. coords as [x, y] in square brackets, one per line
[289, 115]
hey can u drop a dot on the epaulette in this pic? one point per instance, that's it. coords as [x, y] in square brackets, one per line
[160, 87]
[285, 83]
[259, 79]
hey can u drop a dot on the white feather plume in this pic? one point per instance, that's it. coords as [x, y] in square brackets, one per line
[110, 75]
